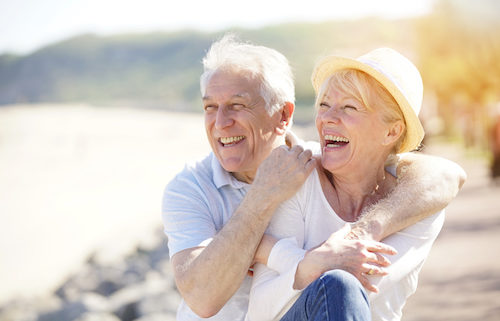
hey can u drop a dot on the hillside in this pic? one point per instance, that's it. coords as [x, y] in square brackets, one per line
[162, 69]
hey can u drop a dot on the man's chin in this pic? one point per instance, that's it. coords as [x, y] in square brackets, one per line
[232, 165]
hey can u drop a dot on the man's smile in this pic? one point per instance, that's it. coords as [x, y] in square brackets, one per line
[230, 141]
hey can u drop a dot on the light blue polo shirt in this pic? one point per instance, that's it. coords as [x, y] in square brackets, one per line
[196, 205]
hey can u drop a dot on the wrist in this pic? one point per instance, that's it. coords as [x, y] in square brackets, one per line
[366, 230]
[261, 200]
[307, 272]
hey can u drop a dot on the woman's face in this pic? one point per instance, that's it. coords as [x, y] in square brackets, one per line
[350, 134]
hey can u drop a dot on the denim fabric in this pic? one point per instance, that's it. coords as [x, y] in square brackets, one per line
[335, 296]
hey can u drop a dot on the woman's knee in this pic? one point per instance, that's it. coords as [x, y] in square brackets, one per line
[340, 281]
[337, 292]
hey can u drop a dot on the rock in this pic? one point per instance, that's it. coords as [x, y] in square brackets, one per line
[97, 316]
[126, 303]
[88, 302]
[158, 258]
[137, 287]
[29, 309]
[85, 280]
[69, 312]
[165, 302]
[157, 317]
[128, 312]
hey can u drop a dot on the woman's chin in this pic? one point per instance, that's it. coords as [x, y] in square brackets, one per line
[332, 165]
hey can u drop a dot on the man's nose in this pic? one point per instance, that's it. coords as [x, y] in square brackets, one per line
[223, 119]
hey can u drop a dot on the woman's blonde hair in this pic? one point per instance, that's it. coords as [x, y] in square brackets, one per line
[369, 92]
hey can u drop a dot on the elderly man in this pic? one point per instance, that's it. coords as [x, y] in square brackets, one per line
[216, 211]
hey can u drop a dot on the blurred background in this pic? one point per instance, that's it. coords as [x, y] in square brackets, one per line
[100, 108]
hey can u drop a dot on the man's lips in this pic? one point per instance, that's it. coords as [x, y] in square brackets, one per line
[231, 140]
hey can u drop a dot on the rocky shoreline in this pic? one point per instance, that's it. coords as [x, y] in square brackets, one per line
[138, 287]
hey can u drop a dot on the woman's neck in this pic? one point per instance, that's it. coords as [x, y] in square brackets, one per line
[350, 193]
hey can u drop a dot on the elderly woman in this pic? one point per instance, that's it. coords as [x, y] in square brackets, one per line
[367, 112]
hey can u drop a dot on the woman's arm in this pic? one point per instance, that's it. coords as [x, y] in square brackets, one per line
[276, 260]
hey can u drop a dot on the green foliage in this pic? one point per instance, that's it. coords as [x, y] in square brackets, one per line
[459, 50]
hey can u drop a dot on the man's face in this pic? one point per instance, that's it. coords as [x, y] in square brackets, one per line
[240, 130]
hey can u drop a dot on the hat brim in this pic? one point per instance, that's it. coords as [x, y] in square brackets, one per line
[329, 65]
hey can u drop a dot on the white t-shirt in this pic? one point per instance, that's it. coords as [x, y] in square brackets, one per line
[197, 203]
[307, 220]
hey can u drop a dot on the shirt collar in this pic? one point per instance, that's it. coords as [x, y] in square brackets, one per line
[222, 177]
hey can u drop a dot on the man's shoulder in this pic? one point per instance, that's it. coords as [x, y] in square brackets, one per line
[199, 172]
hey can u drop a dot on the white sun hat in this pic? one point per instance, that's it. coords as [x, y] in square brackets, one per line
[395, 73]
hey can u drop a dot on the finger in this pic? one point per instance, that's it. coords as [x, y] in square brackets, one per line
[310, 165]
[305, 155]
[375, 270]
[366, 284]
[297, 149]
[382, 260]
[284, 147]
[377, 259]
[381, 248]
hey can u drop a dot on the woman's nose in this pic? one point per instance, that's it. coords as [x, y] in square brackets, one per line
[331, 115]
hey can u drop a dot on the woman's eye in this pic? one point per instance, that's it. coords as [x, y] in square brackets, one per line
[324, 105]
[350, 107]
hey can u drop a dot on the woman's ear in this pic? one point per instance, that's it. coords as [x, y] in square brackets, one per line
[286, 114]
[394, 132]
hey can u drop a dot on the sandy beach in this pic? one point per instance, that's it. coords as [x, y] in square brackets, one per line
[77, 180]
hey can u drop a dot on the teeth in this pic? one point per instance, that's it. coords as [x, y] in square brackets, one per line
[336, 138]
[229, 140]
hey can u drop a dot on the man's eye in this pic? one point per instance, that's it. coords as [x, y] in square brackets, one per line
[210, 107]
[238, 106]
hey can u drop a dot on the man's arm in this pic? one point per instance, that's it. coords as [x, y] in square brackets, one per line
[208, 276]
[426, 185]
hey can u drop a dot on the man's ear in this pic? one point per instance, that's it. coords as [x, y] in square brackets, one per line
[286, 113]
[394, 132]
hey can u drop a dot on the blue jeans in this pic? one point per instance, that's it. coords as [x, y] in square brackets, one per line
[335, 295]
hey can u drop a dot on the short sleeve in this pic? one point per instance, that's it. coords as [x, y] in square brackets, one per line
[186, 215]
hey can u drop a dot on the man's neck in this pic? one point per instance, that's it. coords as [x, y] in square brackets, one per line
[246, 177]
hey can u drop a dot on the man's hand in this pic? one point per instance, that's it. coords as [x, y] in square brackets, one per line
[359, 257]
[284, 171]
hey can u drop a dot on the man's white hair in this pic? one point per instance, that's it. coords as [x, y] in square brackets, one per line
[267, 65]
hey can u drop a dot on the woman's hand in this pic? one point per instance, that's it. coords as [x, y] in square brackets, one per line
[359, 257]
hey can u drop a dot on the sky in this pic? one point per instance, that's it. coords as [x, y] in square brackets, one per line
[26, 25]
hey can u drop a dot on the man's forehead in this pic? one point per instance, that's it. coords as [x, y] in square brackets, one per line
[240, 95]
[231, 87]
